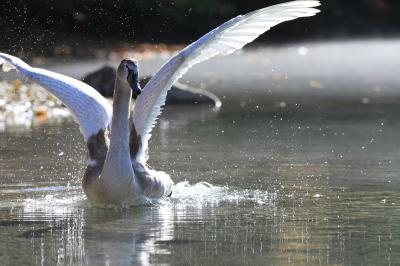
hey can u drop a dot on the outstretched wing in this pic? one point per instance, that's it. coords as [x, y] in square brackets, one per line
[224, 40]
[92, 110]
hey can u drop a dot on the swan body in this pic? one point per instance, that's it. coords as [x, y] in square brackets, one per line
[117, 139]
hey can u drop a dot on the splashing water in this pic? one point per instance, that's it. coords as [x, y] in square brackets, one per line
[62, 199]
[205, 193]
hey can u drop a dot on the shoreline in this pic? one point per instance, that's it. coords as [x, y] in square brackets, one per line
[341, 74]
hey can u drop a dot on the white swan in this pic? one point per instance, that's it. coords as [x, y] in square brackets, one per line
[117, 149]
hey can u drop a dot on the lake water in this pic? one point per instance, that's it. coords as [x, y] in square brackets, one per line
[293, 184]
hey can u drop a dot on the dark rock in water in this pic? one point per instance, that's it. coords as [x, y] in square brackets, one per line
[184, 94]
[103, 81]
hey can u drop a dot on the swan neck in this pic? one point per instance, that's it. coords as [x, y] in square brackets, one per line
[120, 120]
[117, 177]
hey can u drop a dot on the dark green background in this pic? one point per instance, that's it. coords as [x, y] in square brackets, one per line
[42, 24]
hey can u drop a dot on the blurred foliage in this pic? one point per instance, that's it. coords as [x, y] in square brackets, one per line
[39, 24]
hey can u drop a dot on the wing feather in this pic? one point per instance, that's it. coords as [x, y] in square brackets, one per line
[224, 40]
[89, 108]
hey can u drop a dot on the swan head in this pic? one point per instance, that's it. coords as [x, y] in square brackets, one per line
[128, 71]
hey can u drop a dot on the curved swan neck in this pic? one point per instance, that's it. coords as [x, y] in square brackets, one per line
[120, 120]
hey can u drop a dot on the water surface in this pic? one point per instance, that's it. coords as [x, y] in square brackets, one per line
[293, 185]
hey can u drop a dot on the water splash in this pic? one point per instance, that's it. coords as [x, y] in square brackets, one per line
[66, 198]
[204, 193]
[51, 199]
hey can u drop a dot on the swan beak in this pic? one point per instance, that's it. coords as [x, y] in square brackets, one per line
[136, 90]
[134, 83]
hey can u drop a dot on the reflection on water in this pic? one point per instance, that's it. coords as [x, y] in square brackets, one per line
[291, 187]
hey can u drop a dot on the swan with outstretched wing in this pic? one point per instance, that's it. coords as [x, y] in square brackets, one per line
[117, 142]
